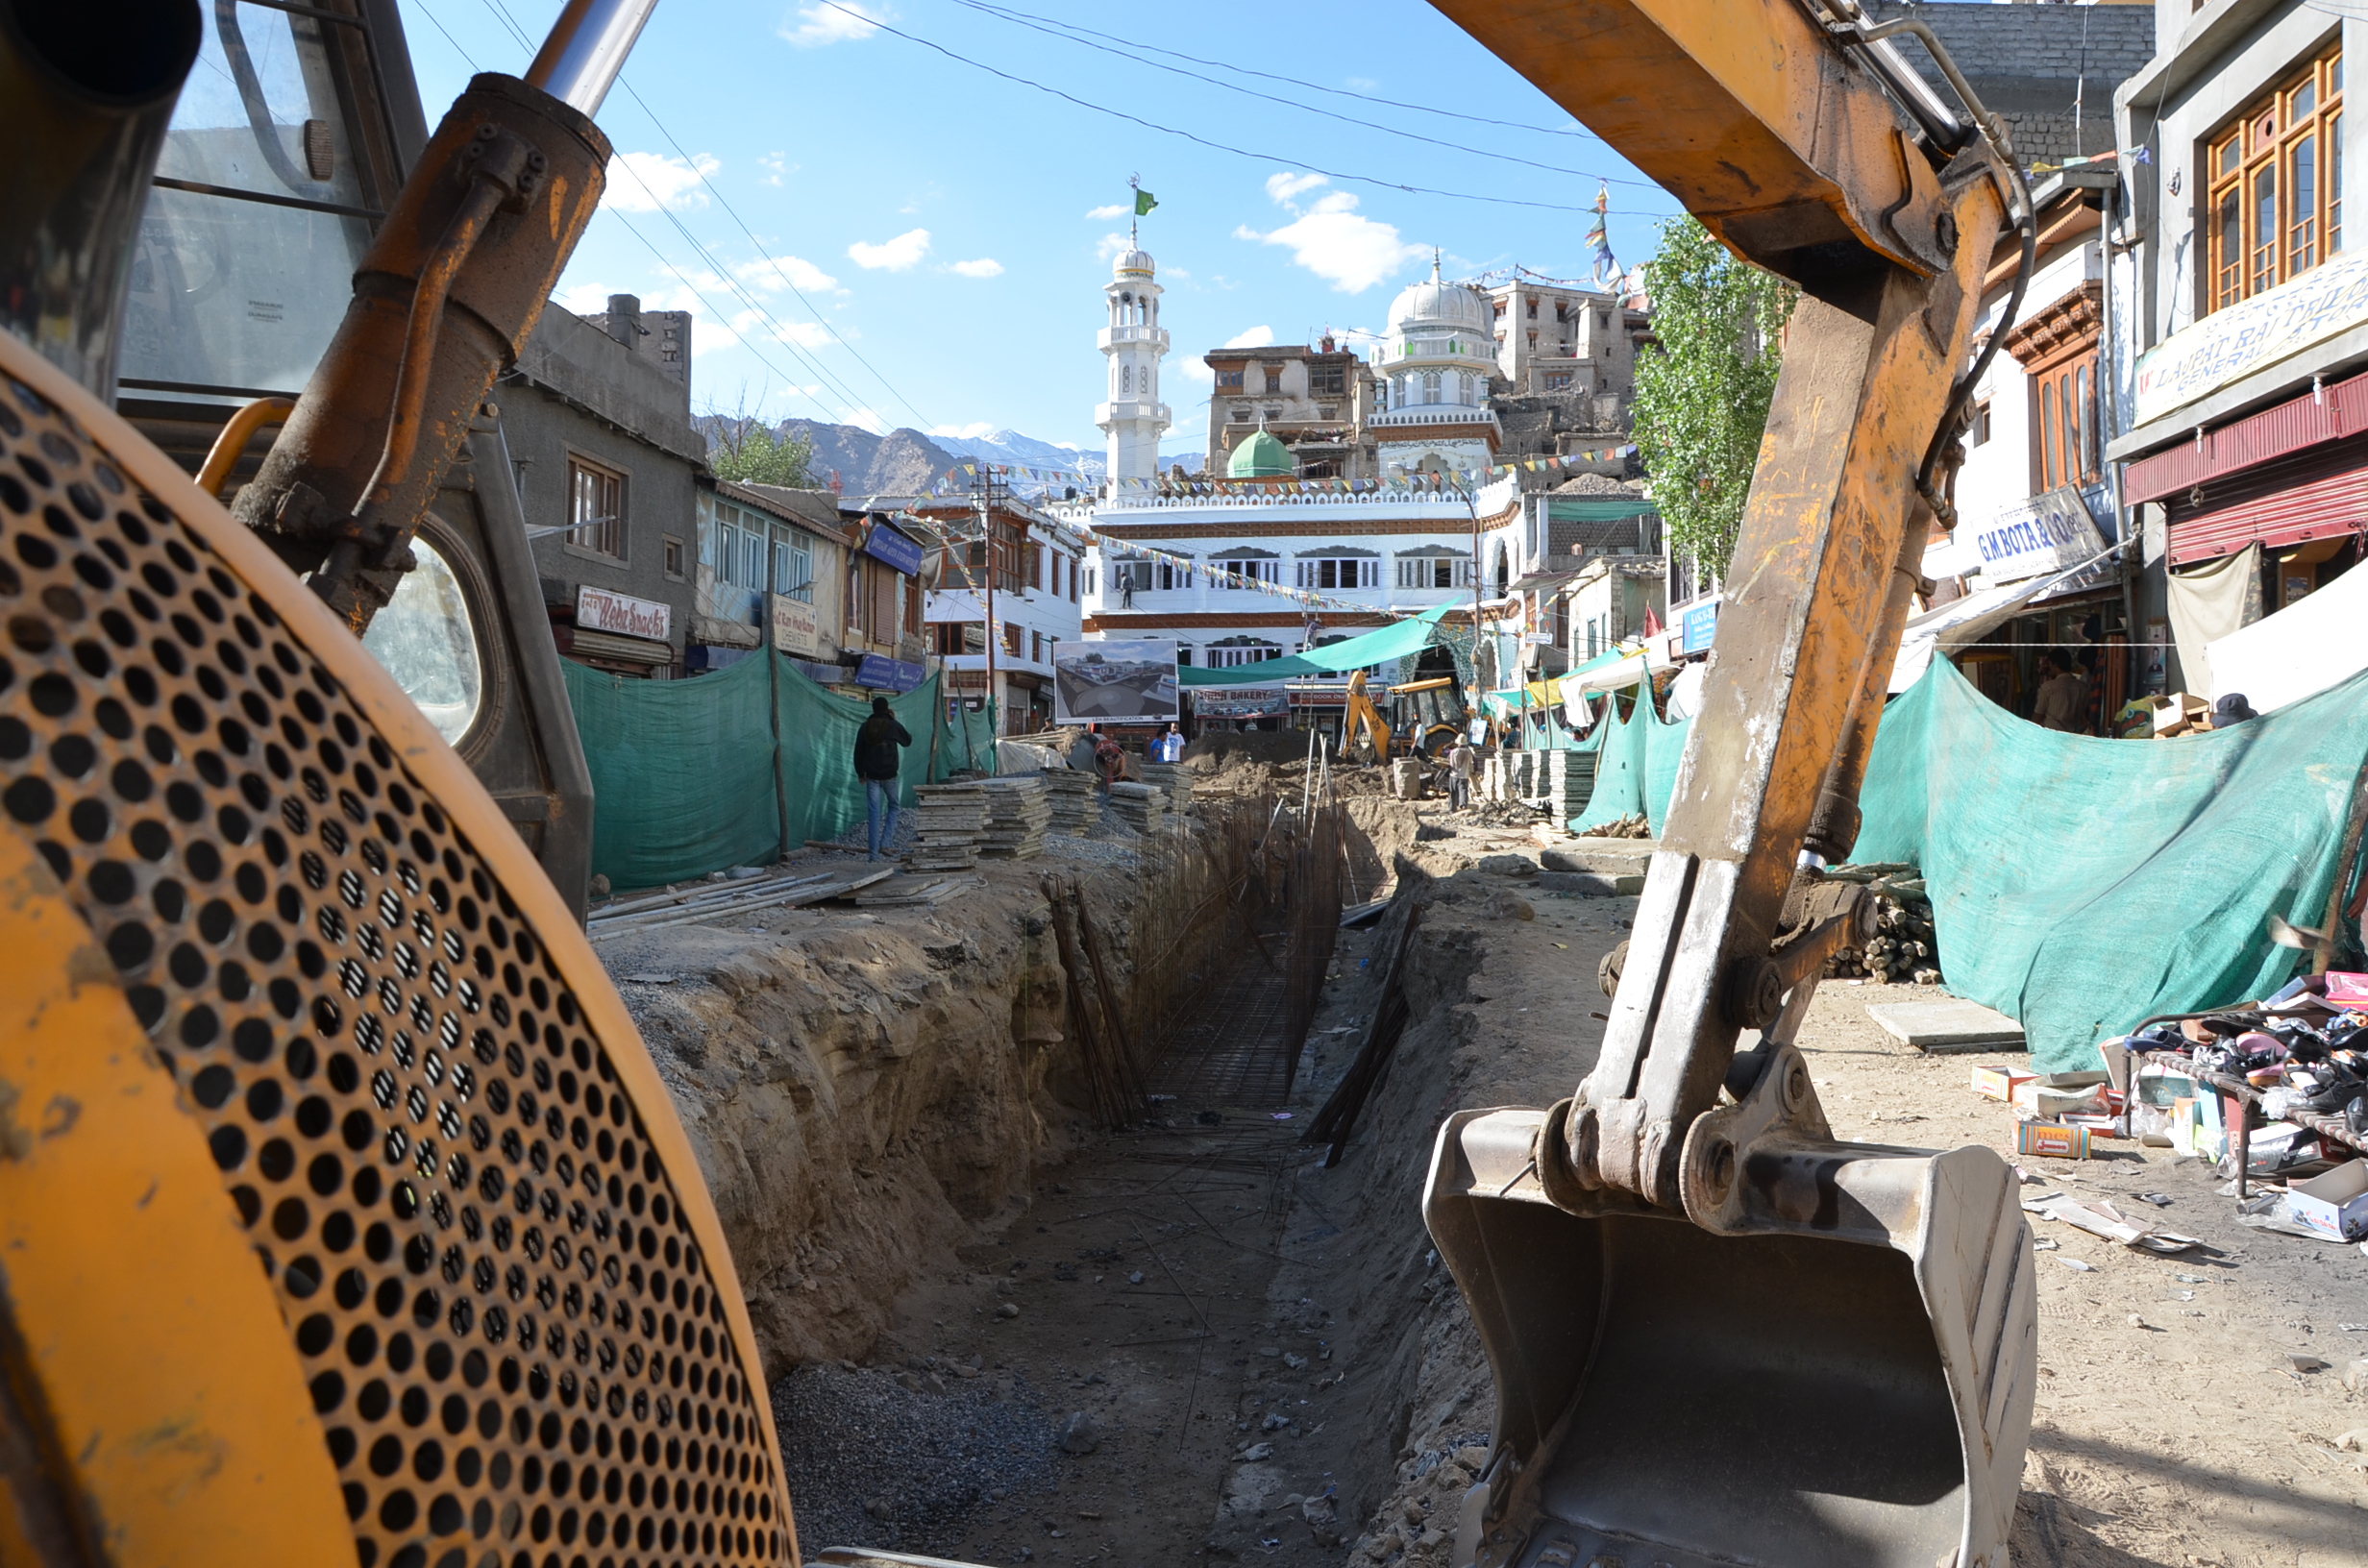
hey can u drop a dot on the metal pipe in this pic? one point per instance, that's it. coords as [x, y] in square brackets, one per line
[579, 63]
[232, 444]
[85, 94]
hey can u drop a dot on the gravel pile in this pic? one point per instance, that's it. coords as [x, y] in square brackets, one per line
[872, 1461]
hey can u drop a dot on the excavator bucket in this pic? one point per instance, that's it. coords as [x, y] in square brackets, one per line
[1839, 1375]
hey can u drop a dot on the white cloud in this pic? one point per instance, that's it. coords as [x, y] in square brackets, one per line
[1110, 245]
[964, 432]
[986, 266]
[1200, 370]
[777, 167]
[1332, 239]
[1256, 337]
[584, 299]
[842, 21]
[1116, 209]
[869, 419]
[898, 255]
[1362, 84]
[793, 272]
[646, 182]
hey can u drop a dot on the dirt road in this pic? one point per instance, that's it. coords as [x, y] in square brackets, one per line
[1269, 1363]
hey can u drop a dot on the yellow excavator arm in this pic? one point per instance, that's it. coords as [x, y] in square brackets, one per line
[1366, 719]
[1718, 1334]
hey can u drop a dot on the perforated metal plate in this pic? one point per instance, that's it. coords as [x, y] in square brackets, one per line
[512, 1332]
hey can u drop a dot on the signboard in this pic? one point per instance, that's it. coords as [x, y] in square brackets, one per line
[2046, 533]
[1240, 702]
[597, 609]
[1699, 626]
[2253, 335]
[889, 675]
[1117, 680]
[885, 544]
[796, 628]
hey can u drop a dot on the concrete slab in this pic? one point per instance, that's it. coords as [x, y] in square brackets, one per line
[1954, 1026]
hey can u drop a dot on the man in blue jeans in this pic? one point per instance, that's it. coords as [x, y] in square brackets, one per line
[876, 763]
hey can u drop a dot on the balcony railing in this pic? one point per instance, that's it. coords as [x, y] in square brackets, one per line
[1156, 337]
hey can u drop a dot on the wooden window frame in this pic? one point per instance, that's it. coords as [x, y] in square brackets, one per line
[607, 539]
[2256, 165]
[2064, 420]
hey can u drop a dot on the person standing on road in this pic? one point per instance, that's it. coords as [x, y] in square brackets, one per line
[2061, 699]
[1460, 758]
[1171, 745]
[877, 764]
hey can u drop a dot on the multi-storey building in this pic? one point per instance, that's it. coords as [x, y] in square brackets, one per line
[2238, 403]
[1566, 369]
[1318, 403]
[999, 645]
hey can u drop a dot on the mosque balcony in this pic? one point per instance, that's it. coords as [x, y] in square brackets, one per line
[1107, 414]
[1110, 337]
[1432, 414]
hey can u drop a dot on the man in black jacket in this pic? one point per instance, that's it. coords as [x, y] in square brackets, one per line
[876, 763]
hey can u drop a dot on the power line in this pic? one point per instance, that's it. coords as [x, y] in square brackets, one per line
[1196, 138]
[779, 271]
[1019, 19]
[1289, 80]
[849, 402]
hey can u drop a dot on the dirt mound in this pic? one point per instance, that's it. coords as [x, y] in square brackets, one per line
[1269, 745]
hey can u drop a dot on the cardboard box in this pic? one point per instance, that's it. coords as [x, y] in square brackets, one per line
[2336, 1204]
[2053, 1139]
[1999, 1083]
[2049, 1101]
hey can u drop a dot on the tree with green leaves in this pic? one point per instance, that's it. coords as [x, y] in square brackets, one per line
[743, 449]
[1703, 392]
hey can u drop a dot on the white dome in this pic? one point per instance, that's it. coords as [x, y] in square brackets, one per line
[1133, 263]
[1435, 303]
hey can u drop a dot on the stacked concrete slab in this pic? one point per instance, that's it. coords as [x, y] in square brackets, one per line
[947, 822]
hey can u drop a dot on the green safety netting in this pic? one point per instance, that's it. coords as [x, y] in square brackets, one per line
[1392, 642]
[691, 776]
[2081, 885]
[1636, 764]
[969, 745]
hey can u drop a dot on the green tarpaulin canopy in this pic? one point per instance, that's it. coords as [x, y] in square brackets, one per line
[2080, 885]
[1395, 641]
[692, 776]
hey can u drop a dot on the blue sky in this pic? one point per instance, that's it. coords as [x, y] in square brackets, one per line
[949, 229]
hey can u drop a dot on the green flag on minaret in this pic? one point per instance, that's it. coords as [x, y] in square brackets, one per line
[1144, 201]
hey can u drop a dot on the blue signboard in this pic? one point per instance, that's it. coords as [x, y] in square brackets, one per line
[889, 675]
[883, 542]
[1701, 625]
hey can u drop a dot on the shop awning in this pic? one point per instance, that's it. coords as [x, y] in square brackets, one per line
[1965, 621]
[2300, 650]
[1610, 672]
[1395, 641]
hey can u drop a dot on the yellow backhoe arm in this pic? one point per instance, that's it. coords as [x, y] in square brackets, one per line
[1716, 1329]
[1362, 713]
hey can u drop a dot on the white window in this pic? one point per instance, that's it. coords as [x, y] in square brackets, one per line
[1430, 387]
[793, 565]
[1242, 575]
[1347, 573]
[1434, 572]
[1227, 658]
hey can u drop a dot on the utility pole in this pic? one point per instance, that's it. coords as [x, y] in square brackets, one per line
[989, 493]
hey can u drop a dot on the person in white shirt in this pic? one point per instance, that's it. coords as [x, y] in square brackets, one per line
[1172, 745]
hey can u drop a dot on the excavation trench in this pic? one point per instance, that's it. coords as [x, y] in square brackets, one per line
[1001, 1327]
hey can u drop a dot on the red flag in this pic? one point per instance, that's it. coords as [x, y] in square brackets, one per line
[1652, 623]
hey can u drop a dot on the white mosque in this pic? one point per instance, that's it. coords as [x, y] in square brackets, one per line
[1205, 568]
[1435, 365]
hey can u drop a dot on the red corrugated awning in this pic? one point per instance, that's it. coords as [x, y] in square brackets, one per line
[2312, 494]
[2294, 425]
